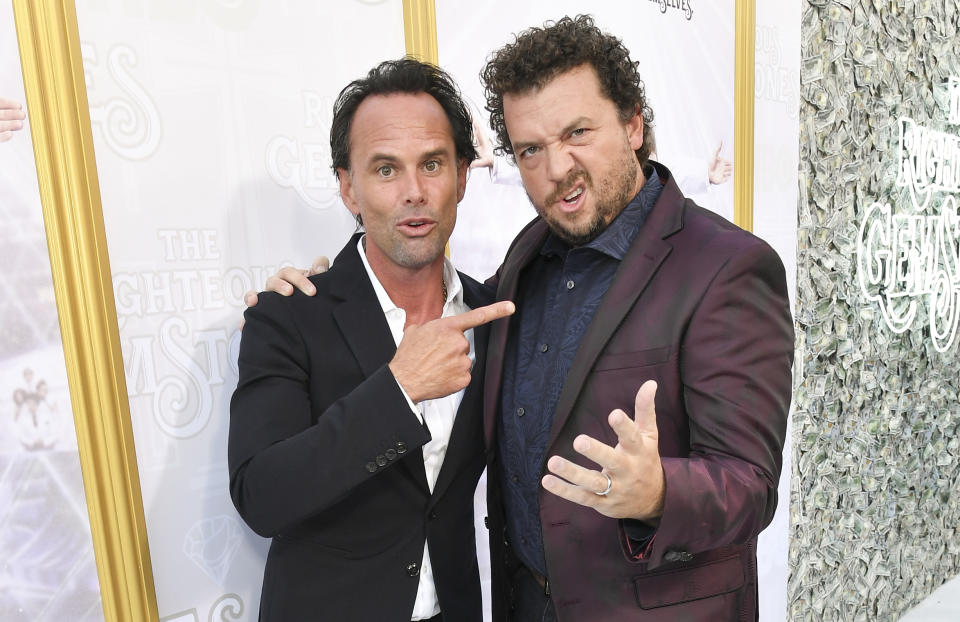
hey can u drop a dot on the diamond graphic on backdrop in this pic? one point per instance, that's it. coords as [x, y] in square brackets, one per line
[211, 544]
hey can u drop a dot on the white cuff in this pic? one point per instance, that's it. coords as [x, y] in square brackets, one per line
[416, 410]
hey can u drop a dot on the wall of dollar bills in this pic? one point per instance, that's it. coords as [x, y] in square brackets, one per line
[875, 500]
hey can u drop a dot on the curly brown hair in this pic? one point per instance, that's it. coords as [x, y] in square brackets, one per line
[537, 55]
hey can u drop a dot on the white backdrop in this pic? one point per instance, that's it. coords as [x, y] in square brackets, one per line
[47, 568]
[211, 125]
[775, 195]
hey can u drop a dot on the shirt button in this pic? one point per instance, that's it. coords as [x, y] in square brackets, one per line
[520, 412]
[544, 347]
[516, 479]
[570, 284]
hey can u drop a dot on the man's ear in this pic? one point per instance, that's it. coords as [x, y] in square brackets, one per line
[346, 191]
[634, 128]
[463, 169]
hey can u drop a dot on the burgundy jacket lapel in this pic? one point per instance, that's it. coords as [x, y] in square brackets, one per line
[640, 264]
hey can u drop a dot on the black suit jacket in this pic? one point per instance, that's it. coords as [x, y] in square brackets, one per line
[324, 456]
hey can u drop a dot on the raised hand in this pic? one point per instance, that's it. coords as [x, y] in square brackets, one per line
[630, 483]
[719, 170]
[11, 118]
[433, 360]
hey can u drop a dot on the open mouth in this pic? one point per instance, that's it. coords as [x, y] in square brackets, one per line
[572, 200]
[573, 196]
[417, 226]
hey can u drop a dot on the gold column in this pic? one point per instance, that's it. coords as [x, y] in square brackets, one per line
[420, 34]
[420, 30]
[746, 23]
[70, 194]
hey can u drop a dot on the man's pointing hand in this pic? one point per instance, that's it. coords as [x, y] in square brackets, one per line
[433, 359]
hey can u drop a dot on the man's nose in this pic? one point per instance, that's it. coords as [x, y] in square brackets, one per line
[415, 190]
[559, 164]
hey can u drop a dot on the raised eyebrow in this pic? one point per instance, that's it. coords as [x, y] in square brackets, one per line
[436, 153]
[379, 159]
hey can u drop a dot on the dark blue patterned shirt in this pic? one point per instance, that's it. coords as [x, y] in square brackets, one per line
[561, 290]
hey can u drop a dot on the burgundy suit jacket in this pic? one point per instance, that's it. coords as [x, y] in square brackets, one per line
[700, 306]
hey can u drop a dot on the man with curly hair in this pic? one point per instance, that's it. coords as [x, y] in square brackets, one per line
[622, 282]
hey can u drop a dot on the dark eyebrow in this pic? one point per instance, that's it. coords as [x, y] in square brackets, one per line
[521, 147]
[381, 157]
[575, 124]
[435, 153]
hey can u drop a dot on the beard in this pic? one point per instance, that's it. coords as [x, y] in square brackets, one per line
[611, 195]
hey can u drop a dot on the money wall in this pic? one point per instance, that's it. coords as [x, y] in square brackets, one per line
[875, 502]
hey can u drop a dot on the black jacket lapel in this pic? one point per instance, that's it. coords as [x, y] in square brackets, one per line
[365, 329]
[466, 438]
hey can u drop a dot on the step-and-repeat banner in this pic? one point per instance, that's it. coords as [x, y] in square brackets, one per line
[211, 128]
[47, 568]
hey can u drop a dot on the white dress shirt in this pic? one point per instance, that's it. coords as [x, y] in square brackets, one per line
[438, 414]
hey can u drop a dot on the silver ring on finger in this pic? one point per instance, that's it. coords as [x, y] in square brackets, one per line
[605, 491]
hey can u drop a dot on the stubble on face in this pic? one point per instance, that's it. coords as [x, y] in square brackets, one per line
[612, 193]
[417, 252]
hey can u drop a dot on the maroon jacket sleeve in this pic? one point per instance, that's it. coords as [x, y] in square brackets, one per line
[735, 363]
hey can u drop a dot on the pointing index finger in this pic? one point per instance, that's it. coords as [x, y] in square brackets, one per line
[481, 315]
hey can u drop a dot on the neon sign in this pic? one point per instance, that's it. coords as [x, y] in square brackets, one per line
[903, 259]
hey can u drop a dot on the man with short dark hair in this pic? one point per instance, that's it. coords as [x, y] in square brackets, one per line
[355, 427]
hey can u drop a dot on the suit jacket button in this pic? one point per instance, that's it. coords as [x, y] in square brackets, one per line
[381, 460]
[401, 447]
[390, 454]
[413, 569]
[371, 467]
[432, 515]
[671, 556]
[685, 557]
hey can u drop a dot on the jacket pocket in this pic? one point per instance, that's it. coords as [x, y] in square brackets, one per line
[689, 584]
[626, 360]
